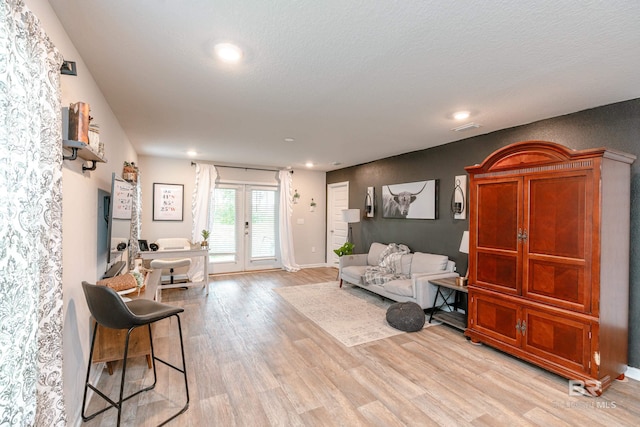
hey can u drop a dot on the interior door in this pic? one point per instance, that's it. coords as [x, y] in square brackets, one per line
[337, 200]
[244, 228]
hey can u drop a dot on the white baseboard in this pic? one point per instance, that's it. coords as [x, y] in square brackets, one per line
[633, 373]
[315, 265]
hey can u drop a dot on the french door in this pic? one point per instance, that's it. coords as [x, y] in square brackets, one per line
[244, 228]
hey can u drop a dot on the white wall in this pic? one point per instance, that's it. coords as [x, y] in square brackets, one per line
[309, 237]
[80, 201]
[165, 171]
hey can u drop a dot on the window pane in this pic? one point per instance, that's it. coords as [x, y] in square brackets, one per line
[223, 229]
[263, 223]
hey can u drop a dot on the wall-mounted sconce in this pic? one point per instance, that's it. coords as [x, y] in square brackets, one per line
[459, 198]
[296, 197]
[369, 202]
[312, 205]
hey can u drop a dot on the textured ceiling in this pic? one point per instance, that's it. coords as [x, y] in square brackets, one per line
[351, 80]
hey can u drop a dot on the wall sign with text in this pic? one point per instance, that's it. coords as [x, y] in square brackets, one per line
[168, 200]
[122, 200]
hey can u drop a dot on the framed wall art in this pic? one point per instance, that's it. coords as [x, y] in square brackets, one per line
[168, 201]
[411, 200]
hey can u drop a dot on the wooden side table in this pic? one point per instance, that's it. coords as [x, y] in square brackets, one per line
[446, 288]
[110, 342]
[110, 345]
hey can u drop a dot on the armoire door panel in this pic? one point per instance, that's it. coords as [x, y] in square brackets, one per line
[497, 271]
[497, 215]
[558, 339]
[558, 283]
[558, 216]
[495, 318]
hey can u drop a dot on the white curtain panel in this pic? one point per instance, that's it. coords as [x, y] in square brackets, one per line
[286, 232]
[31, 391]
[206, 176]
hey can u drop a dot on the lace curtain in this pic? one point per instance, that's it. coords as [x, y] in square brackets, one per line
[136, 220]
[206, 176]
[286, 231]
[31, 390]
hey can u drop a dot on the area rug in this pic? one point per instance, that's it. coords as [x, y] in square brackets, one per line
[350, 314]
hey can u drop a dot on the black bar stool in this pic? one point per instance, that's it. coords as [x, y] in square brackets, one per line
[109, 310]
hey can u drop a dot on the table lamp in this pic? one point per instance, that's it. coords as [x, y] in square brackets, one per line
[464, 248]
[350, 216]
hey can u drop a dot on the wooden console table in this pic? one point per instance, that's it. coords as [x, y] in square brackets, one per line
[445, 289]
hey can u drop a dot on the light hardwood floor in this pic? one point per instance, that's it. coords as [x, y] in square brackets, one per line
[253, 360]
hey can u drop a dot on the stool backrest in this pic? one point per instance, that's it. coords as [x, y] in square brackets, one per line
[107, 307]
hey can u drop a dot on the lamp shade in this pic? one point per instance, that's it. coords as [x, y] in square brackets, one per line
[351, 215]
[464, 243]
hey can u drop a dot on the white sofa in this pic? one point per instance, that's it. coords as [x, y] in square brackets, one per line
[419, 267]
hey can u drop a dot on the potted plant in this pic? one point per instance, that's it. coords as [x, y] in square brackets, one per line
[205, 237]
[130, 172]
[296, 196]
[312, 206]
[346, 249]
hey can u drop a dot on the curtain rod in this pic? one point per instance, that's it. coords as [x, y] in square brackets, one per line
[245, 168]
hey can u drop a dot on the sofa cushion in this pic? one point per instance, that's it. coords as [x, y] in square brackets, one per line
[406, 264]
[428, 263]
[353, 274]
[373, 258]
[406, 316]
[402, 287]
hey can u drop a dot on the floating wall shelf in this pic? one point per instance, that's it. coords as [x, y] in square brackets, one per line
[84, 151]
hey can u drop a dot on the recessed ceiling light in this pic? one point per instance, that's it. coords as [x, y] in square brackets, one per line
[289, 140]
[309, 164]
[192, 153]
[228, 52]
[461, 115]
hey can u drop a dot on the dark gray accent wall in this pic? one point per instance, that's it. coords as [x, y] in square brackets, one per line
[615, 126]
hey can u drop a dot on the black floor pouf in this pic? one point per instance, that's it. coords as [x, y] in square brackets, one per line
[406, 316]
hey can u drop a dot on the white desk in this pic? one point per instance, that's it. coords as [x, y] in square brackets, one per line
[182, 253]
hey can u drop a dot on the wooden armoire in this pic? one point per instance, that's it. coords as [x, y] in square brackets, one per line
[549, 258]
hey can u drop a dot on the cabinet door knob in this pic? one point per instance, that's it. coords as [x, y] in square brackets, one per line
[522, 234]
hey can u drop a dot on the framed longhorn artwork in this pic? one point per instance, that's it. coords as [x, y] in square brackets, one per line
[412, 200]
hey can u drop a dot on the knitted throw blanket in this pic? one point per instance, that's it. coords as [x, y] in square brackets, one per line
[389, 266]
